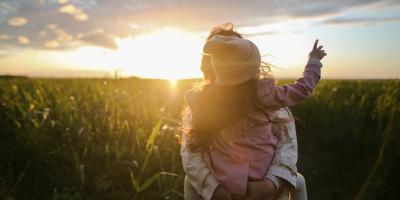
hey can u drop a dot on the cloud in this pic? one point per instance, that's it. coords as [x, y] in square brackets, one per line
[5, 37]
[262, 33]
[23, 40]
[62, 1]
[98, 37]
[17, 21]
[103, 40]
[59, 36]
[52, 44]
[361, 21]
[74, 11]
[315, 10]
[61, 24]
[69, 9]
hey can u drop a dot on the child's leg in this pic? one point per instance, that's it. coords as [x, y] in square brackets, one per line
[300, 192]
[189, 192]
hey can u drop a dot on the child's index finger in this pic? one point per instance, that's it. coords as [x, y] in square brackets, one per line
[315, 44]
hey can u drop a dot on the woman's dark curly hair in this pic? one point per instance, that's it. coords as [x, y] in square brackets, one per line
[215, 107]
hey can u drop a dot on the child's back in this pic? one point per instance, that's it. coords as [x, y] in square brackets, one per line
[244, 150]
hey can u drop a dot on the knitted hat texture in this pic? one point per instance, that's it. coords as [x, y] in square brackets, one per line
[233, 59]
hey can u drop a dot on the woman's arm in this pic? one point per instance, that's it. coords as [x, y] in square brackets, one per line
[284, 164]
[200, 177]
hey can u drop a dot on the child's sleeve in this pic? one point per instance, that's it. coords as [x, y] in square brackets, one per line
[200, 177]
[285, 159]
[275, 97]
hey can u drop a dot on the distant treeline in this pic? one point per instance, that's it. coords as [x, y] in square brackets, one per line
[13, 77]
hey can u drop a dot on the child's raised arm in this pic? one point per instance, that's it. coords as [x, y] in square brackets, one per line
[275, 97]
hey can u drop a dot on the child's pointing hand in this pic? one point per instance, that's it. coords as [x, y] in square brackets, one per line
[317, 52]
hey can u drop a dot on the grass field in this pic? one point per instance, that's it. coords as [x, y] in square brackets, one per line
[118, 139]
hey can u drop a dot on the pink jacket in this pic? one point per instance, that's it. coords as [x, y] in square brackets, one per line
[201, 182]
[246, 149]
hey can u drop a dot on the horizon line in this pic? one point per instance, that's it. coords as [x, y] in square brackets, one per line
[5, 76]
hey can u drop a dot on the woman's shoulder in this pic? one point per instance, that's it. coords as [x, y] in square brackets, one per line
[192, 93]
[198, 88]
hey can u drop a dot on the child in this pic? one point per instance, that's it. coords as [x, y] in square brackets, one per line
[200, 183]
[242, 142]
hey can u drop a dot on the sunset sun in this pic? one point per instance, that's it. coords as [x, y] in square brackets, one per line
[165, 53]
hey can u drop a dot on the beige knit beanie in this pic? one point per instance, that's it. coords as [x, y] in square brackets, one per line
[233, 59]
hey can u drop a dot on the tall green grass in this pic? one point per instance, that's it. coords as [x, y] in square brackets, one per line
[118, 139]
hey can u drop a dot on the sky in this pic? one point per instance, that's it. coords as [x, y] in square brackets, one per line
[164, 38]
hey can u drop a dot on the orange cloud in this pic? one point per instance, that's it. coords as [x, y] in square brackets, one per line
[23, 40]
[74, 11]
[17, 21]
[4, 37]
[62, 1]
[52, 44]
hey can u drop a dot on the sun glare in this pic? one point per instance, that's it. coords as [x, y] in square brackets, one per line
[173, 82]
[165, 53]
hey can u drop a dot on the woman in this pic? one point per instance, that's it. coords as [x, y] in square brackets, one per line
[282, 171]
